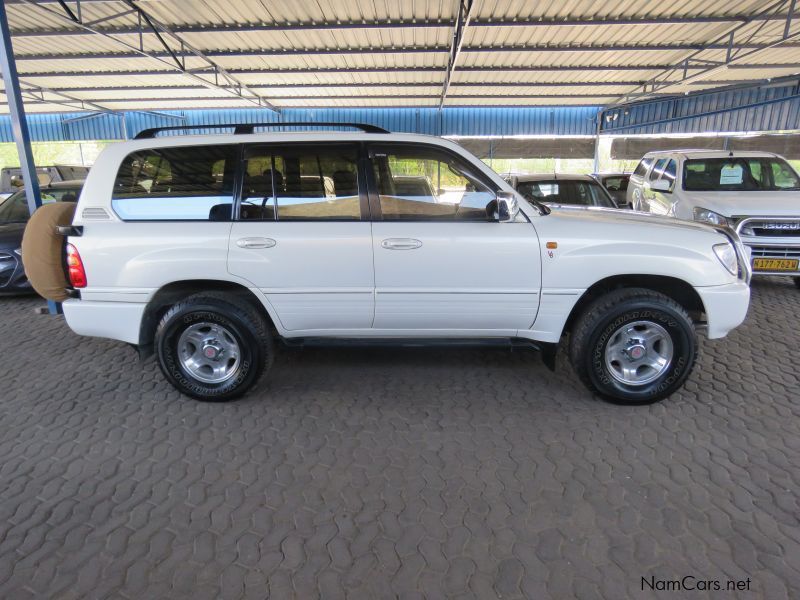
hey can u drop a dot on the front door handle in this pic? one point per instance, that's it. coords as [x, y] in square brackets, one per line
[254, 243]
[401, 244]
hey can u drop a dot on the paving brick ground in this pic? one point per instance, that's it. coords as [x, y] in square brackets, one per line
[395, 473]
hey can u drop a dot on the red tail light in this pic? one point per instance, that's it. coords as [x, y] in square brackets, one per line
[75, 270]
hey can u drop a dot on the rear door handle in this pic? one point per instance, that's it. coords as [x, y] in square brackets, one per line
[254, 243]
[401, 244]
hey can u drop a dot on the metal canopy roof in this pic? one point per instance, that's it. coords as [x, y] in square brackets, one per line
[123, 55]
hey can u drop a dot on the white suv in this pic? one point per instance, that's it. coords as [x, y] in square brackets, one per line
[207, 248]
[756, 193]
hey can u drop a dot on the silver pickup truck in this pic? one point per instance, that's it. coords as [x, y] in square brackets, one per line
[755, 193]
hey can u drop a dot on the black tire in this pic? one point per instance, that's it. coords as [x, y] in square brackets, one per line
[240, 321]
[797, 282]
[604, 317]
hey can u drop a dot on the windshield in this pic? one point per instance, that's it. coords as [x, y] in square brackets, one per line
[15, 208]
[581, 193]
[739, 174]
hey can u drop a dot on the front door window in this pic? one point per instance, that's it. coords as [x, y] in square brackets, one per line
[420, 184]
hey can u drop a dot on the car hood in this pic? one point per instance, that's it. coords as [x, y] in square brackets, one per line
[594, 244]
[614, 216]
[11, 235]
[729, 204]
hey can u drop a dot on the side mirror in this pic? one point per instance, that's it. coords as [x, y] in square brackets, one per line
[505, 207]
[661, 185]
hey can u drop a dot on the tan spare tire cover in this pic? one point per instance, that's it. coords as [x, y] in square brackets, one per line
[43, 250]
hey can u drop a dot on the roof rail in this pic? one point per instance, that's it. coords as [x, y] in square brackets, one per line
[245, 128]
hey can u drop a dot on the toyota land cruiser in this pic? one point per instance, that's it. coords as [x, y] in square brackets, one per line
[206, 249]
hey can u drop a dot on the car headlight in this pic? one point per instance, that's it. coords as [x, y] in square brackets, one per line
[709, 216]
[727, 256]
[748, 231]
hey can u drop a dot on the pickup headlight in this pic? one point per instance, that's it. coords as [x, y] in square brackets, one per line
[747, 230]
[709, 216]
[727, 256]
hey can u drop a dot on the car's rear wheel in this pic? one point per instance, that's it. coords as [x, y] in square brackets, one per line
[797, 282]
[213, 347]
[633, 346]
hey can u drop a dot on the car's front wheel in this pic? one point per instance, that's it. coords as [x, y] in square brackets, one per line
[633, 346]
[213, 347]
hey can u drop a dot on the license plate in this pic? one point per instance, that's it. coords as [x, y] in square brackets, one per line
[775, 264]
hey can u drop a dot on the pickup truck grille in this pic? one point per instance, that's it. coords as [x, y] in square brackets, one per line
[768, 227]
[774, 252]
[8, 263]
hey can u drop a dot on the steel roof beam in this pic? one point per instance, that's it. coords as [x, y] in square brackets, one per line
[462, 22]
[415, 69]
[736, 49]
[172, 58]
[305, 86]
[37, 94]
[401, 24]
[272, 53]
[354, 97]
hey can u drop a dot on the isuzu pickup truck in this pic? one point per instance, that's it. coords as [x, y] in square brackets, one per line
[755, 193]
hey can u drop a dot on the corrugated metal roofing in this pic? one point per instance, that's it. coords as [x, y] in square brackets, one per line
[344, 53]
[770, 108]
[745, 110]
[451, 121]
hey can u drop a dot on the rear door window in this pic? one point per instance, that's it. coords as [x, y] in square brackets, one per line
[301, 183]
[186, 183]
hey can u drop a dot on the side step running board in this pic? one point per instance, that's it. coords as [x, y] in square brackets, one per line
[547, 350]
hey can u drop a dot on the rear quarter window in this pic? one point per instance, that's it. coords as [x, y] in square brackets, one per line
[189, 183]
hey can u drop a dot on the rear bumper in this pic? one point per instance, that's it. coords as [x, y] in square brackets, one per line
[725, 306]
[114, 320]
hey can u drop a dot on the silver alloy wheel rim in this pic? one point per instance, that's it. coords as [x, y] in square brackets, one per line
[209, 352]
[638, 353]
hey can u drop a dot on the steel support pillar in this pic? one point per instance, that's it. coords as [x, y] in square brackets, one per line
[19, 125]
[598, 129]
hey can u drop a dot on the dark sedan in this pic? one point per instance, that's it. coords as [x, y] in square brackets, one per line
[562, 190]
[13, 217]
